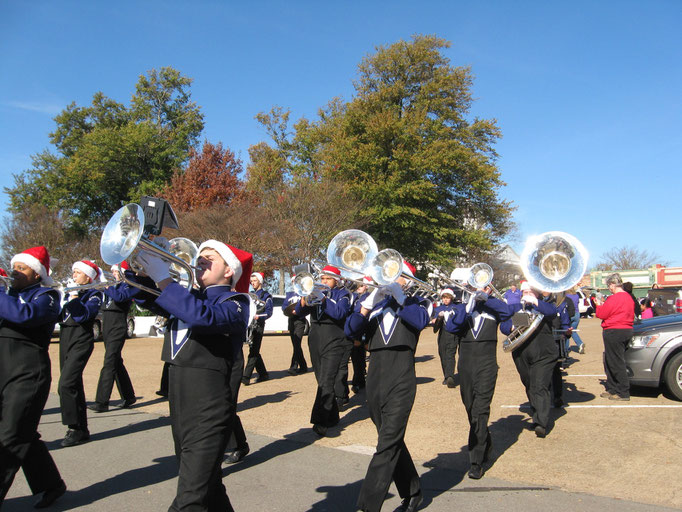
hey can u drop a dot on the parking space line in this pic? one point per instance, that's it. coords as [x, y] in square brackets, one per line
[614, 406]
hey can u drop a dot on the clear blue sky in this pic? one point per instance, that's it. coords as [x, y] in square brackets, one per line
[587, 94]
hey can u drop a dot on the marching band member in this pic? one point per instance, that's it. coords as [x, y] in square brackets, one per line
[255, 360]
[358, 354]
[28, 312]
[326, 344]
[117, 301]
[206, 329]
[447, 341]
[475, 323]
[392, 323]
[297, 326]
[535, 359]
[76, 343]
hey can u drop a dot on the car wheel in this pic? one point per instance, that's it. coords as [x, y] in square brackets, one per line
[97, 331]
[131, 328]
[673, 376]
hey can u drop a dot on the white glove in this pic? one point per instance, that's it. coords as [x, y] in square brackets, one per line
[529, 299]
[373, 299]
[397, 291]
[481, 295]
[471, 303]
[153, 266]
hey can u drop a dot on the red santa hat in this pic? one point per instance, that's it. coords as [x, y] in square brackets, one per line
[239, 261]
[88, 268]
[3, 273]
[367, 280]
[123, 265]
[447, 291]
[259, 275]
[525, 286]
[408, 268]
[331, 271]
[38, 259]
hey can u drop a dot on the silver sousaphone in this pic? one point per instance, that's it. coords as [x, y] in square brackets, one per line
[123, 237]
[551, 262]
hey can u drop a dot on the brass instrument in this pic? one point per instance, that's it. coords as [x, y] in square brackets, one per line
[123, 237]
[552, 262]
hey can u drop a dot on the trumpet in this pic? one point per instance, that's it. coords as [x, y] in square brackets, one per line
[552, 262]
[108, 281]
[124, 235]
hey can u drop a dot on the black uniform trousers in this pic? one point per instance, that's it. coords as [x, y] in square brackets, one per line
[615, 343]
[115, 327]
[358, 357]
[202, 415]
[297, 327]
[535, 361]
[255, 360]
[73, 356]
[478, 375]
[341, 382]
[326, 351]
[237, 439]
[24, 387]
[447, 350]
[391, 389]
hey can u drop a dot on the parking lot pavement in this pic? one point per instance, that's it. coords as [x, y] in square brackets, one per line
[129, 465]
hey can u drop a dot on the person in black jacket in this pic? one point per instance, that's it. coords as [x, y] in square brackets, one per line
[475, 323]
[76, 343]
[117, 303]
[255, 360]
[206, 330]
[392, 323]
[28, 314]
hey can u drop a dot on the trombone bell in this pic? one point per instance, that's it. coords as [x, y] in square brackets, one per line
[352, 250]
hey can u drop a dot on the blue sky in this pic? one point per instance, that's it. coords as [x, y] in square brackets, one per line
[587, 94]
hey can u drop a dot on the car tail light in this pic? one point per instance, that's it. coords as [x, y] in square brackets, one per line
[678, 305]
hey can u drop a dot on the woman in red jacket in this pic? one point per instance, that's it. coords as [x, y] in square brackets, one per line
[617, 314]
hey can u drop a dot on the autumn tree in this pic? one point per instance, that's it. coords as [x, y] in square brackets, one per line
[211, 178]
[405, 147]
[108, 153]
[40, 225]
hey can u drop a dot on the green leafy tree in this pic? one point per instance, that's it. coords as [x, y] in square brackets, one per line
[109, 153]
[405, 147]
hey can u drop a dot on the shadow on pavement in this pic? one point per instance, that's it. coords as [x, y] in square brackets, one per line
[259, 400]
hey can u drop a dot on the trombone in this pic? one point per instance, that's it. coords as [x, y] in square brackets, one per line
[355, 254]
[124, 235]
[551, 262]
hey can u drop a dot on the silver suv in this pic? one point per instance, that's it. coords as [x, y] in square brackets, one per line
[654, 355]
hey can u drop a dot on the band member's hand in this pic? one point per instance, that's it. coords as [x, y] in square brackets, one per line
[372, 299]
[481, 295]
[529, 300]
[396, 291]
[162, 242]
[153, 266]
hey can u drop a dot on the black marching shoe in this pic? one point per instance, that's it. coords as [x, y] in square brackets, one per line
[75, 436]
[51, 495]
[475, 471]
[128, 402]
[320, 430]
[263, 378]
[301, 371]
[540, 431]
[450, 382]
[162, 393]
[292, 371]
[98, 407]
[237, 455]
[412, 503]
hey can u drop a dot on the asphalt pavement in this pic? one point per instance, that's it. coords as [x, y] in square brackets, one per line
[129, 464]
